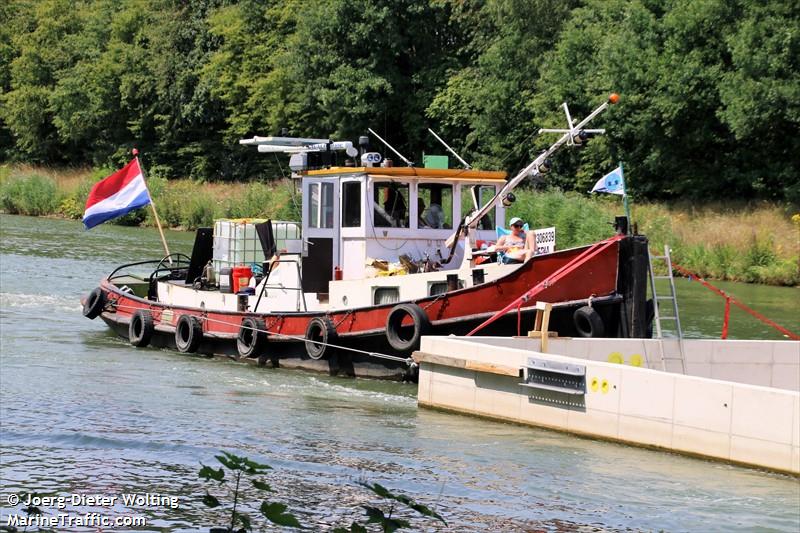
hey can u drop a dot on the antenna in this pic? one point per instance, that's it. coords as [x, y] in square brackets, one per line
[296, 145]
[577, 136]
[467, 165]
[390, 147]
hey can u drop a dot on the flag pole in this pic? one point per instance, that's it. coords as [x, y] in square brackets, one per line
[624, 198]
[153, 206]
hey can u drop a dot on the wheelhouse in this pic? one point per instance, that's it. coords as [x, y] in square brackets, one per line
[352, 216]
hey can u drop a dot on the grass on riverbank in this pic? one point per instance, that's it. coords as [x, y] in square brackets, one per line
[757, 243]
[181, 204]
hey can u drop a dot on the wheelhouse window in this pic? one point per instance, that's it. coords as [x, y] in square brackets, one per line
[351, 204]
[435, 206]
[320, 205]
[390, 205]
[481, 194]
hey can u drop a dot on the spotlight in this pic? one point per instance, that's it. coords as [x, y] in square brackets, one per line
[581, 138]
[545, 166]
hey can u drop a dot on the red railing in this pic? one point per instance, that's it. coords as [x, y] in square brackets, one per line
[565, 270]
[730, 299]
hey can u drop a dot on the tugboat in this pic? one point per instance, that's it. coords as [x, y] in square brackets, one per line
[383, 255]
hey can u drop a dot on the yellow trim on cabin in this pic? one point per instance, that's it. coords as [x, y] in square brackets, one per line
[413, 172]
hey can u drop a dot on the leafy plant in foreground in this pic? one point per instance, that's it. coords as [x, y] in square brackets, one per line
[239, 467]
[385, 520]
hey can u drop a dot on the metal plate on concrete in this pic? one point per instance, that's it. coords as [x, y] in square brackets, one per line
[555, 383]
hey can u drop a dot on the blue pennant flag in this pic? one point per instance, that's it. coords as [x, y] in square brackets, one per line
[612, 183]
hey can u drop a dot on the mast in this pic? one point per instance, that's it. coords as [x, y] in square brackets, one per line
[573, 136]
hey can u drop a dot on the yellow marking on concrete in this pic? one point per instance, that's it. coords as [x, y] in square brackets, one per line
[636, 360]
[616, 357]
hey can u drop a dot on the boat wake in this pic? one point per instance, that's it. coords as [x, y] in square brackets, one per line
[88, 441]
[51, 302]
[349, 391]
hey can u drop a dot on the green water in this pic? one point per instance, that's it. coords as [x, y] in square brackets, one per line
[83, 412]
[702, 311]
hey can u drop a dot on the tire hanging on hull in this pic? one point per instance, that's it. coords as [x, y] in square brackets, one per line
[319, 334]
[141, 328]
[588, 322]
[188, 334]
[94, 303]
[398, 335]
[252, 338]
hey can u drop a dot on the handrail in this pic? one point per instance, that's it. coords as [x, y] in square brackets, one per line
[730, 299]
[158, 263]
[137, 263]
[176, 266]
[264, 286]
[565, 270]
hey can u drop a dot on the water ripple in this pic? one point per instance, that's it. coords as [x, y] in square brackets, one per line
[81, 411]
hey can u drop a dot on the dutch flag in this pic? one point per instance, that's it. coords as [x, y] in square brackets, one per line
[116, 195]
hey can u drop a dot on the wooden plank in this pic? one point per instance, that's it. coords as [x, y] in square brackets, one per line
[538, 334]
[423, 357]
[490, 368]
[457, 362]
[542, 324]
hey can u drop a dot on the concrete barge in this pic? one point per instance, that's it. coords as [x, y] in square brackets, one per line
[739, 401]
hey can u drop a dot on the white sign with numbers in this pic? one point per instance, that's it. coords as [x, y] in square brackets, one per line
[545, 241]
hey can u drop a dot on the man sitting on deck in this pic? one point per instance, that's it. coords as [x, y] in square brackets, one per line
[516, 247]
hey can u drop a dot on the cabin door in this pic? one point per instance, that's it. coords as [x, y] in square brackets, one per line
[320, 232]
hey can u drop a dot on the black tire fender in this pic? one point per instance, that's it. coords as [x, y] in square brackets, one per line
[94, 303]
[188, 334]
[252, 337]
[396, 333]
[322, 331]
[141, 328]
[588, 322]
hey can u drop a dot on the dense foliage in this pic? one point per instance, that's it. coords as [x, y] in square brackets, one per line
[710, 88]
[731, 240]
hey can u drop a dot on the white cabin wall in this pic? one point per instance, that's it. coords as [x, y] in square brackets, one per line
[280, 293]
[353, 258]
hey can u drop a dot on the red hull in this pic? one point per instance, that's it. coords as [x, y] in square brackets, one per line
[597, 278]
[567, 280]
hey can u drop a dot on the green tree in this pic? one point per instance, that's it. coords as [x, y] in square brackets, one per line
[91, 80]
[588, 62]
[687, 71]
[45, 45]
[369, 63]
[760, 97]
[485, 106]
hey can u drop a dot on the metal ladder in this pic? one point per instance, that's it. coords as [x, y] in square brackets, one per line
[657, 318]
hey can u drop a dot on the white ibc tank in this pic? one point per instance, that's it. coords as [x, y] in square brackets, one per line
[236, 241]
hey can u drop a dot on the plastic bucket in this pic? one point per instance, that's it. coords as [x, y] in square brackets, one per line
[241, 277]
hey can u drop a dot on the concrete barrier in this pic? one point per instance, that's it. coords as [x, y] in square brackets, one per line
[727, 420]
[766, 363]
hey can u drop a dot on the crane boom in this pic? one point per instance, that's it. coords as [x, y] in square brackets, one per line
[567, 137]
